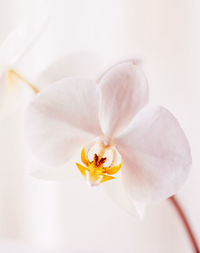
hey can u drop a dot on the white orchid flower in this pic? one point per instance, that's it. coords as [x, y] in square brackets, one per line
[138, 150]
[12, 51]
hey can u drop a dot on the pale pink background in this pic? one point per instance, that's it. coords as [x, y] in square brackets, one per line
[70, 216]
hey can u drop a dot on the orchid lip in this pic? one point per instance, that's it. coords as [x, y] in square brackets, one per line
[96, 170]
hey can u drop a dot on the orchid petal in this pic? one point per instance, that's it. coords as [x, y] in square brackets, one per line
[118, 194]
[19, 41]
[13, 93]
[62, 119]
[134, 61]
[14, 90]
[155, 155]
[77, 64]
[124, 92]
[42, 171]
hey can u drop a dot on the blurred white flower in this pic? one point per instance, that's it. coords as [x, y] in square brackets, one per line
[14, 48]
[144, 146]
[82, 63]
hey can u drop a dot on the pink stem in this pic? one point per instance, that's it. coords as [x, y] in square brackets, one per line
[186, 224]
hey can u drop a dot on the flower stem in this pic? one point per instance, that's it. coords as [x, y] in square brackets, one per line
[13, 72]
[185, 222]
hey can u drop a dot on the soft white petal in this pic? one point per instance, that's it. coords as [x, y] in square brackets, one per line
[13, 90]
[136, 61]
[13, 93]
[124, 92]
[19, 41]
[62, 119]
[116, 191]
[77, 64]
[155, 155]
[40, 170]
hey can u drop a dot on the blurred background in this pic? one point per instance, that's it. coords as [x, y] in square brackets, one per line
[69, 217]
